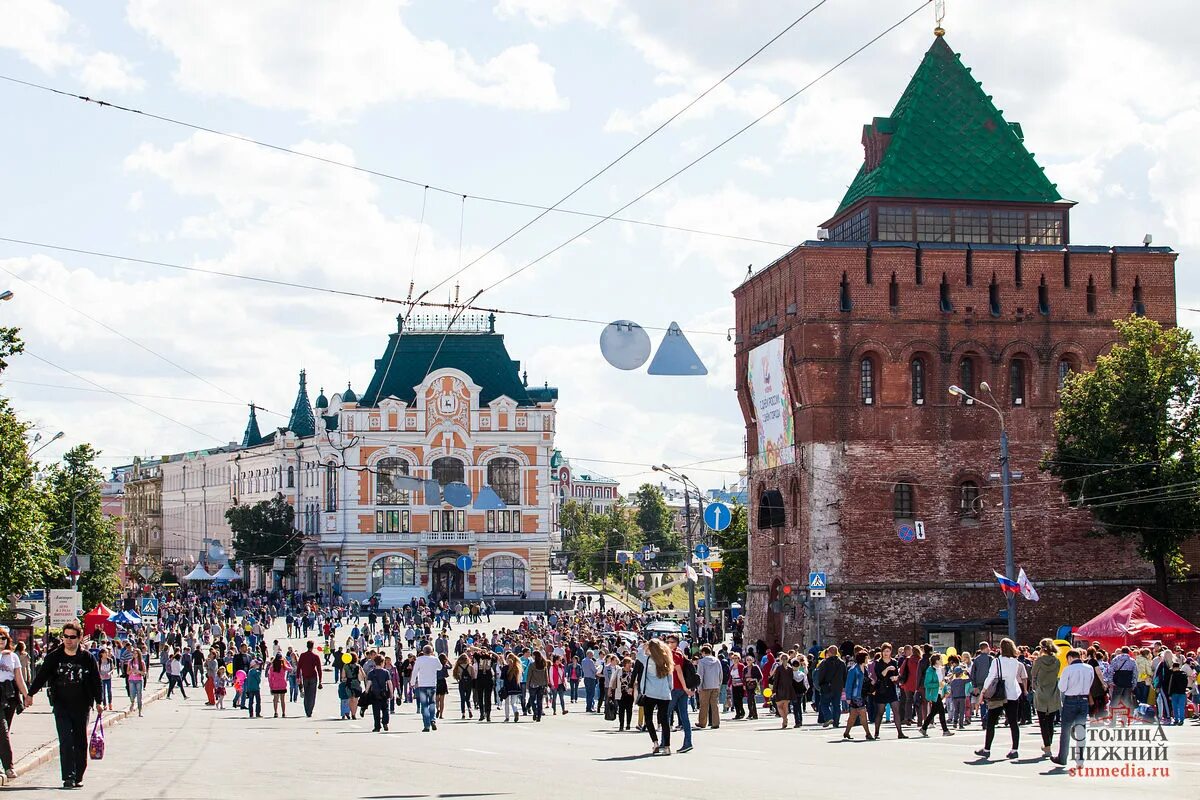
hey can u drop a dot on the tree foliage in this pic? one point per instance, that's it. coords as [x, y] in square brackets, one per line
[76, 482]
[27, 561]
[1127, 439]
[654, 518]
[730, 580]
[265, 531]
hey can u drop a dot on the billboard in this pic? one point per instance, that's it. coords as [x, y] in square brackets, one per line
[772, 405]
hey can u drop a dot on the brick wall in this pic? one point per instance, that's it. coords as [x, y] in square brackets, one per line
[850, 455]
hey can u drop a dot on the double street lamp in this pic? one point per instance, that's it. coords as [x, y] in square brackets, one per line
[38, 437]
[1006, 488]
[688, 485]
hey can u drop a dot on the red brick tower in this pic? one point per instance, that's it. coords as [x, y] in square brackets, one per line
[948, 262]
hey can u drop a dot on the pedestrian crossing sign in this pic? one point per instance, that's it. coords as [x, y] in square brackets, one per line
[817, 582]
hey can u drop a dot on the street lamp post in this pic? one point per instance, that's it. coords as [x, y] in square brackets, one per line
[6, 295]
[687, 534]
[52, 440]
[1006, 489]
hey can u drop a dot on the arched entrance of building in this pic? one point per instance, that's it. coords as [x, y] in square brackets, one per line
[774, 627]
[446, 580]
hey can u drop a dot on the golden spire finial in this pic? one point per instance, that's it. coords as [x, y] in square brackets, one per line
[939, 11]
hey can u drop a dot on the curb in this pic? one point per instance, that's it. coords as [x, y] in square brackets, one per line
[49, 751]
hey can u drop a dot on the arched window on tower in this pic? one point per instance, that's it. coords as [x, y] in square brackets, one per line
[386, 473]
[448, 470]
[966, 378]
[866, 380]
[1065, 367]
[771, 513]
[903, 502]
[917, 376]
[1017, 372]
[969, 502]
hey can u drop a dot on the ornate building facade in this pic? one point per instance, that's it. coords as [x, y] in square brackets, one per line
[948, 262]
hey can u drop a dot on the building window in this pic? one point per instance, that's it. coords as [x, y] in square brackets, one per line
[386, 473]
[970, 226]
[291, 478]
[968, 499]
[1043, 298]
[1139, 305]
[844, 302]
[1008, 227]
[944, 296]
[331, 487]
[966, 378]
[448, 470]
[917, 371]
[855, 229]
[994, 297]
[1045, 227]
[504, 476]
[895, 224]
[1065, 368]
[392, 571]
[449, 520]
[893, 293]
[392, 521]
[866, 381]
[933, 225]
[1091, 295]
[504, 576]
[902, 501]
[771, 512]
[1016, 381]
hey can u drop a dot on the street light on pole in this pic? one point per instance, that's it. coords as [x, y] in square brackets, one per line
[687, 532]
[1006, 488]
[6, 295]
[53, 439]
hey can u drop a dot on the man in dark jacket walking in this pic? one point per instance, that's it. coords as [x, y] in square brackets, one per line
[74, 681]
[830, 680]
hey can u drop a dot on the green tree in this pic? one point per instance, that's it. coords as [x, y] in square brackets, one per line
[1126, 442]
[730, 580]
[74, 515]
[265, 531]
[654, 518]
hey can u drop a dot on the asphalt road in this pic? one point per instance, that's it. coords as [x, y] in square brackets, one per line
[183, 749]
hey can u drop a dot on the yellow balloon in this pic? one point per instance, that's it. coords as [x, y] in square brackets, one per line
[347, 658]
[229, 668]
[767, 692]
[950, 651]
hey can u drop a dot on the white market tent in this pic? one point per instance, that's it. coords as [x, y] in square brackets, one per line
[198, 574]
[226, 573]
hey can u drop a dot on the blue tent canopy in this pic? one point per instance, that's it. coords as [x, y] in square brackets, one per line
[125, 618]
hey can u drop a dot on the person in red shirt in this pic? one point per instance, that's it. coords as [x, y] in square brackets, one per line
[309, 672]
[680, 694]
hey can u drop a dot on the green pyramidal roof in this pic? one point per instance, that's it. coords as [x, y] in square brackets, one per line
[946, 140]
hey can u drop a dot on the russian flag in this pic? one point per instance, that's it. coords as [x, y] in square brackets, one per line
[1007, 585]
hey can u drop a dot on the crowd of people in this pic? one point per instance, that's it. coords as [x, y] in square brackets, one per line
[547, 664]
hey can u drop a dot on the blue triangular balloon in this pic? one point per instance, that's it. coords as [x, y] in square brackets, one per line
[675, 356]
[488, 500]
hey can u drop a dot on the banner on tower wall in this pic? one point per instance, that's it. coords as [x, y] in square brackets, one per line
[772, 405]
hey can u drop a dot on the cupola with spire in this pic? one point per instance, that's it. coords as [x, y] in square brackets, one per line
[322, 401]
[349, 396]
[252, 436]
[302, 422]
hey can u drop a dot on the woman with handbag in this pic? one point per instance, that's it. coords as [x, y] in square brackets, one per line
[537, 684]
[783, 691]
[14, 696]
[655, 692]
[483, 680]
[1047, 700]
[1002, 689]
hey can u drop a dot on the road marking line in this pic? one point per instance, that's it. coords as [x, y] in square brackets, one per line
[977, 773]
[485, 752]
[659, 775]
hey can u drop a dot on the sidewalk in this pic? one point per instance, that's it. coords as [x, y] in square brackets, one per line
[578, 586]
[33, 735]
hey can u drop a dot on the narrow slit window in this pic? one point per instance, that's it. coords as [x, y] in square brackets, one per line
[917, 370]
[1139, 307]
[944, 296]
[994, 297]
[844, 302]
[894, 293]
[1091, 295]
[1016, 381]
[866, 381]
[1043, 297]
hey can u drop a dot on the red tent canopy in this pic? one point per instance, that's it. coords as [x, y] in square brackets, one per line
[98, 618]
[1136, 619]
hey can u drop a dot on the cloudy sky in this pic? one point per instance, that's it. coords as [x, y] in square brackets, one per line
[510, 99]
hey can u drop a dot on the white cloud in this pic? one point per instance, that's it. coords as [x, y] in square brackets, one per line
[109, 72]
[755, 164]
[1175, 177]
[43, 33]
[547, 13]
[332, 59]
[136, 201]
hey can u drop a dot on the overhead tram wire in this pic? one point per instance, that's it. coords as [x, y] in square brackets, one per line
[374, 172]
[124, 397]
[133, 394]
[136, 343]
[325, 289]
[636, 145]
[711, 150]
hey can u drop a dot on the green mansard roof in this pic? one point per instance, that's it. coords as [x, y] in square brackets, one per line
[946, 140]
[411, 356]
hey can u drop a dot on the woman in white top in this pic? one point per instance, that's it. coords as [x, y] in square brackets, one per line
[13, 693]
[1009, 672]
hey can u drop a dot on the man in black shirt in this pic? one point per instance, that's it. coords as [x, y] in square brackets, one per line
[74, 681]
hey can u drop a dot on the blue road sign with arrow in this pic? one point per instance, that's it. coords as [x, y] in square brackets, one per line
[717, 516]
[701, 551]
[464, 563]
